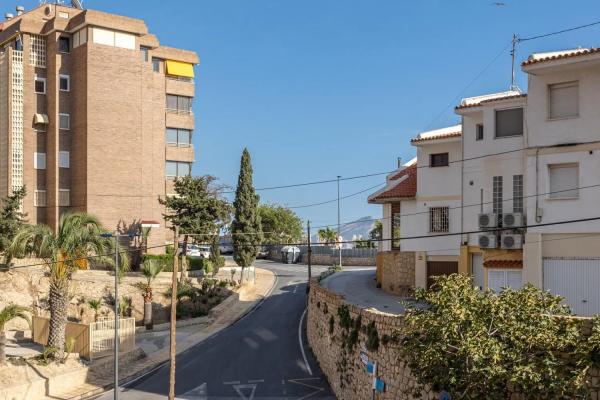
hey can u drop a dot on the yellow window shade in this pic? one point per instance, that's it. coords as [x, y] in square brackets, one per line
[41, 119]
[179, 68]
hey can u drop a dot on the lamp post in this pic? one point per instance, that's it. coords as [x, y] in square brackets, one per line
[338, 222]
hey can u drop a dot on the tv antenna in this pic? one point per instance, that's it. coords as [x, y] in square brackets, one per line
[513, 84]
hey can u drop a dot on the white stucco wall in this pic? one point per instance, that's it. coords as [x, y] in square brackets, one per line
[386, 222]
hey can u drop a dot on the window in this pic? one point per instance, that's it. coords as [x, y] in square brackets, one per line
[396, 218]
[509, 122]
[564, 181]
[40, 198]
[63, 159]
[499, 279]
[479, 132]
[80, 37]
[18, 44]
[497, 197]
[179, 104]
[64, 44]
[156, 62]
[563, 100]
[40, 85]
[144, 51]
[64, 121]
[177, 169]
[438, 160]
[62, 14]
[39, 160]
[178, 137]
[64, 83]
[64, 197]
[518, 193]
[439, 219]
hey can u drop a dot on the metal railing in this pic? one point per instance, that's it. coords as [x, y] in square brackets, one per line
[180, 79]
[102, 336]
[178, 111]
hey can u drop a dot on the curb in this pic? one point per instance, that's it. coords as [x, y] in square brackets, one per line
[145, 371]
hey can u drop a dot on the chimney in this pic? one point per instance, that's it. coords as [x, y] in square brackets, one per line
[399, 162]
[20, 10]
[8, 16]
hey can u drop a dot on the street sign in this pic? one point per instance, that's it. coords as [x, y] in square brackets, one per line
[364, 358]
[370, 368]
[445, 396]
[379, 385]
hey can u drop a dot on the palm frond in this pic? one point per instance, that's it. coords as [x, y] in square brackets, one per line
[13, 311]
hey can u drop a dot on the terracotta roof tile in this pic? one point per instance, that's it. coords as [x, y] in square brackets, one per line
[560, 56]
[404, 190]
[440, 136]
[503, 264]
[513, 96]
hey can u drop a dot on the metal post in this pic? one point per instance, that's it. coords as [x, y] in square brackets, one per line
[338, 221]
[173, 345]
[515, 40]
[116, 391]
[309, 261]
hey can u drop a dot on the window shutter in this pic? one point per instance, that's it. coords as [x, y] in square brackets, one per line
[509, 122]
[514, 279]
[496, 280]
[564, 181]
[564, 100]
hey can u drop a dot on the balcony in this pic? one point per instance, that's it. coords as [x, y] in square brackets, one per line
[180, 119]
[181, 86]
[180, 153]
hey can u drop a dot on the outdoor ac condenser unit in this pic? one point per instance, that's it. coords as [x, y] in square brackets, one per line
[513, 220]
[488, 241]
[510, 242]
[488, 220]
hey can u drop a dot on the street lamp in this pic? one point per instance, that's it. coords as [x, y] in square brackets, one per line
[116, 349]
[339, 232]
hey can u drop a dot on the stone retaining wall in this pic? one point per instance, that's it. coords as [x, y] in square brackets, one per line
[396, 271]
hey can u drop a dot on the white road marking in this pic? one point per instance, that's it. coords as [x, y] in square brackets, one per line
[295, 288]
[301, 382]
[240, 388]
[198, 393]
[302, 345]
[231, 383]
[256, 380]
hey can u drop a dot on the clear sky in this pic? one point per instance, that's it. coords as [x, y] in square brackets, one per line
[320, 88]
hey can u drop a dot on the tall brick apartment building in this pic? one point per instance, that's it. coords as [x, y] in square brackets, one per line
[95, 115]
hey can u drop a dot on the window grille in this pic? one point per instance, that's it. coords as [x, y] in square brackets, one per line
[518, 193]
[439, 220]
[497, 197]
[64, 198]
[40, 198]
[37, 51]
[17, 120]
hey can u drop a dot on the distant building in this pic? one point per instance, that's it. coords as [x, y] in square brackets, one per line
[95, 116]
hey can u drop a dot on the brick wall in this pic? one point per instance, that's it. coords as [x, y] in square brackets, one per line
[396, 271]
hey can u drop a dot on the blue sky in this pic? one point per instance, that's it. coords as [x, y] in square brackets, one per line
[320, 88]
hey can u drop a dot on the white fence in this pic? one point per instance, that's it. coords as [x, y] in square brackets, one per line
[102, 336]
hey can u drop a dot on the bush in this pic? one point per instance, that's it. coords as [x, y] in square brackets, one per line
[200, 264]
[166, 260]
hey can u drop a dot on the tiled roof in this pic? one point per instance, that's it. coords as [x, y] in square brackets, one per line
[443, 133]
[558, 55]
[503, 264]
[440, 136]
[468, 104]
[405, 189]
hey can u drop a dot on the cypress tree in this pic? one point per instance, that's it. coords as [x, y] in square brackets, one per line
[246, 227]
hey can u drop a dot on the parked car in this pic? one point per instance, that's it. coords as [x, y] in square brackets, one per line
[263, 252]
[195, 251]
[226, 248]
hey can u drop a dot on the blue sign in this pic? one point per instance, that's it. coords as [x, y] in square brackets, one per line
[370, 368]
[379, 385]
[445, 396]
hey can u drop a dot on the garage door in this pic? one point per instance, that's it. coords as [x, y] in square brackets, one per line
[577, 280]
[437, 268]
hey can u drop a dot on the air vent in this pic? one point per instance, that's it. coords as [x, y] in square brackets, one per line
[512, 220]
[488, 220]
[488, 241]
[510, 242]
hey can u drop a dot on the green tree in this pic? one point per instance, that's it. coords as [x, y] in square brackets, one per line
[95, 305]
[11, 217]
[7, 314]
[376, 234]
[246, 230]
[280, 225]
[328, 236]
[64, 252]
[480, 345]
[364, 244]
[197, 209]
[150, 270]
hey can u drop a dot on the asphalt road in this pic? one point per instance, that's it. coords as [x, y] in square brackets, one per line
[262, 356]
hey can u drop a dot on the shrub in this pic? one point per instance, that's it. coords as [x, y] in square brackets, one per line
[200, 264]
[166, 260]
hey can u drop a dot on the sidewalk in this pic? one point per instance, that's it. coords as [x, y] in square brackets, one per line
[156, 344]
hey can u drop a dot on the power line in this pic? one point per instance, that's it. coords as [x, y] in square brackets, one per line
[558, 32]
[335, 200]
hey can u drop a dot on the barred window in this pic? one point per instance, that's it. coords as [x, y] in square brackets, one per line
[518, 193]
[396, 217]
[439, 220]
[497, 197]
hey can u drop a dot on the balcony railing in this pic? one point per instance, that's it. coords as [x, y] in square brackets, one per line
[180, 79]
[179, 112]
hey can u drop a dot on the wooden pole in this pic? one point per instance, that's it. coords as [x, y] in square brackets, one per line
[173, 344]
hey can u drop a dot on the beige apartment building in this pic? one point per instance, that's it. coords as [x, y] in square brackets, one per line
[95, 116]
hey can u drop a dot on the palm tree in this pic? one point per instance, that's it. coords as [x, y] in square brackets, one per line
[78, 238]
[96, 305]
[150, 269]
[327, 236]
[7, 314]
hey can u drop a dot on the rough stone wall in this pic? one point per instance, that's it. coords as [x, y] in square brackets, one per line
[346, 373]
[396, 271]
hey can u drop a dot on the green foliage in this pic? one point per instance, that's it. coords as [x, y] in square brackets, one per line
[217, 260]
[477, 344]
[372, 337]
[345, 319]
[11, 218]
[13, 311]
[376, 233]
[246, 230]
[48, 354]
[280, 225]
[69, 346]
[328, 236]
[364, 244]
[95, 305]
[165, 261]
[201, 264]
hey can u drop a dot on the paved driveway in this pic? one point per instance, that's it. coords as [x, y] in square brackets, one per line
[358, 286]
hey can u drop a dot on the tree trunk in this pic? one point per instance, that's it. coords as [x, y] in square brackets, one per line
[184, 259]
[242, 274]
[148, 315]
[2, 347]
[59, 301]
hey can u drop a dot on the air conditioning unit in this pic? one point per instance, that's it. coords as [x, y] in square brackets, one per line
[510, 242]
[488, 241]
[513, 220]
[488, 220]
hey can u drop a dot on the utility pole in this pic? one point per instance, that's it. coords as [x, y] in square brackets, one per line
[515, 40]
[117, 320]
[173, 344]
[309, 261]
[338, 222]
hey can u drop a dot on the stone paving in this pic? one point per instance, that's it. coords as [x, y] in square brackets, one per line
[156, 344]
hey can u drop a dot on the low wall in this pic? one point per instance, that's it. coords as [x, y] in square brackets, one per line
[327, 259]
[396, 271]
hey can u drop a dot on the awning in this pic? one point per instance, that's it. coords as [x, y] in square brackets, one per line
[149, 224]
[179, 68]
[503, 263]
[41, 119]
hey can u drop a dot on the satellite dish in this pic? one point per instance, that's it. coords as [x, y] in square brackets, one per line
[77, 4]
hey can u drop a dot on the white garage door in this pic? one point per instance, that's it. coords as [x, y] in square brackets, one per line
[577, 280]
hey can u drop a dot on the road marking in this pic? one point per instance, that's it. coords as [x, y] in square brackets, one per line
[231, 383]
[198, 393]
[302, 345]
[300, 382]
[240, 388]
[256, 380]
[295, 288]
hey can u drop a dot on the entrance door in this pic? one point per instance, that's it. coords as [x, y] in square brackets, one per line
[477, 270]
[437, 268]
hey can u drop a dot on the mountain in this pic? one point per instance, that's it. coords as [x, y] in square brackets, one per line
[353, 230]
